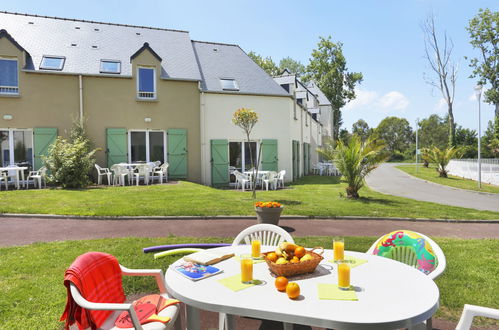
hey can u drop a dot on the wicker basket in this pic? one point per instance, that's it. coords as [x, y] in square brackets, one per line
[298, 268]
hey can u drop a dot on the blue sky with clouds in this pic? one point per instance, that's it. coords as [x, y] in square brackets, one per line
[382, 39]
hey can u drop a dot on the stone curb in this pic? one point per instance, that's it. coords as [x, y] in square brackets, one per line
[234, 217]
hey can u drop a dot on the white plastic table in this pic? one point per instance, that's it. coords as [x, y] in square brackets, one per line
[393, 295]
[18, 169]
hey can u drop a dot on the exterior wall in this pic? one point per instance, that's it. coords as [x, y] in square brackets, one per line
[45, 100]
[273, 113]
[326, 119]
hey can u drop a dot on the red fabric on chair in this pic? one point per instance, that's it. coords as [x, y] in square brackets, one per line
[97, 276]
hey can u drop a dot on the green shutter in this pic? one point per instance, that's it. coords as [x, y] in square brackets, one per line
[306, 158]
[177, 153]
[43, 138]
[296, 159]
[309, 159]
[269, 155]
[219, 163]
[116, 146]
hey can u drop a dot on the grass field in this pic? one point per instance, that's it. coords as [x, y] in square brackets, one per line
[431, 174]
[32, 290]
[309, 196]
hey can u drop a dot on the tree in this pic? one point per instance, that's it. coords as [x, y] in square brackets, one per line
[468, 141]
[355, 160]
[397, 135]
[345, 135]
[484, 34]
[361, 129]
[441, 157]
[246, 119]
[267, 64]
[328, 68]
[490, 142]
[433, 131]
[444, 70]
[294, 66]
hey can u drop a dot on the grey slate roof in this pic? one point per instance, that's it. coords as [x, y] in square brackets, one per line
[218, 61]
[54, 36]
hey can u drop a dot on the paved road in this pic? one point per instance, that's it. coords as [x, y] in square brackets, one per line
[21, 231]
[389, 180]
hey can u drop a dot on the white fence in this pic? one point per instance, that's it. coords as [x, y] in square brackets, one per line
[468, 168]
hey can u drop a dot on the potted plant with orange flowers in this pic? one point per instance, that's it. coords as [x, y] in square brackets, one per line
[268, 212]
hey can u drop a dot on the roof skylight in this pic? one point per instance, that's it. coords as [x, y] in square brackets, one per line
[229, 84]
[52, 62]
[110, 66]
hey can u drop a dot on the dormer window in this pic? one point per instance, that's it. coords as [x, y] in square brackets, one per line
[229, 85]
[110, 66]
[52, 62]
[146, 83]
[9, 80]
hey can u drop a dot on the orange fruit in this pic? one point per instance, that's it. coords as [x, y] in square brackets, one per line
[281, 283]
[272, 256]
[300, 251]
[293, 290]
[294, 260]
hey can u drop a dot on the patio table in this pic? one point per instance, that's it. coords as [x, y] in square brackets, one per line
[17, 169]
[391, 295]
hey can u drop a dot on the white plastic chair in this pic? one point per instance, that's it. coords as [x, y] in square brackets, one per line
[470, 311]
[120, 174]
[280, 178]
[13, 175]
[441, 265]
[37, 177]
[268, 234]
[270, 179]
[103, 171]
[143, 172]
[4, 179]
[160, 172]
[243, 180]
[171, 311]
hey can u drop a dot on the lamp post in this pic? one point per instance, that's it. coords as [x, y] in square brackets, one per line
[417, 148]
[478, 91]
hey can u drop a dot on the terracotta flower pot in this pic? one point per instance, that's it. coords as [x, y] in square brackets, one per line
[268, 214]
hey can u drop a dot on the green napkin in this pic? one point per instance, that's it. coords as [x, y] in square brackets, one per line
[332, 292]
[354, 262]
[255, 261]
[234, 283]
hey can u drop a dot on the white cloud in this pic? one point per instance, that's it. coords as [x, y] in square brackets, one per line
[440, 106]
[472, 97]
[393, 100]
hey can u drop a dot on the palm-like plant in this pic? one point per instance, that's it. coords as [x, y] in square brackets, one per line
[441, 157]
[355, 160]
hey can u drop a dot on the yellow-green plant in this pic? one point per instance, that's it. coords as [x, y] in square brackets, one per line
[355, 160]
[441, 157]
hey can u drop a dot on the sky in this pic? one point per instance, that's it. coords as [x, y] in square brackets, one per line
[382, 39]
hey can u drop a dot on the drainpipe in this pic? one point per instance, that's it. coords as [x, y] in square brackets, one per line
[80, 85]
[202, 115]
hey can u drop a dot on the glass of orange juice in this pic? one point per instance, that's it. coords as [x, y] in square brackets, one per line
[343, 275]
[339, 249]
[246, 269]
[255, 249]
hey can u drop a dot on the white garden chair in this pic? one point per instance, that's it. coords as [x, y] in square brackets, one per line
[243, 180]
[37, 177]
[4, 179]
[121, 173]
[405, 256]
[143, 172]
[270, 235]
[160, 172]
[470, 311]
[103, 172]
[280, 178]
[270, 179]
[171, 311]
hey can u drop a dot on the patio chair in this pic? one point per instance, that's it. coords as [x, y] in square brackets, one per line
[280, 178]
[470, 311]
[89, 305]
[143, 172]
[160, 172]
[270, 179]
[268, 234]
[4, 179]
[407, 255]
[243, 180]
[120, 174]
[103, 171]
[13, 176]
[37, 177]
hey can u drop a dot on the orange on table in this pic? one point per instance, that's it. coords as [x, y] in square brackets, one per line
[280, 283]
[272, 256]
[293, 290]
[299, 251]
[294, 260]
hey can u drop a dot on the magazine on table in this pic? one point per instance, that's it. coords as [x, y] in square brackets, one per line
[195, 271]
[207, 257]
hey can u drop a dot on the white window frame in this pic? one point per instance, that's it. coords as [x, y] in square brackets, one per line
[59, 68]
[11, 144]
[110, 61]
[236, 85]
[148, 154]
[243, 157]
[146, 95]
[10, 90]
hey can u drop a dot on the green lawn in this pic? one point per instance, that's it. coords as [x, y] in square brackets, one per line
[310, 196]
[431, 174]
[32, 292]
